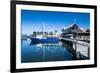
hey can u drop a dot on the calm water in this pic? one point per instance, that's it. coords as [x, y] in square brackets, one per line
[31, 52]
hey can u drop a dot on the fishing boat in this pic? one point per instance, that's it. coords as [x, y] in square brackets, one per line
[49, 40]
[44, 39]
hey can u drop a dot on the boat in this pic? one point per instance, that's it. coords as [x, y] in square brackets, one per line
[35, 40]
[49, 40]
[44, 39]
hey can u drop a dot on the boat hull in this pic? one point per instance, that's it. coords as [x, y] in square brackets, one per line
[50, 40]
[45, 40]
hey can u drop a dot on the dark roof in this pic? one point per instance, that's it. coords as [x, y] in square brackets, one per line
[74, 28]
[88, 30]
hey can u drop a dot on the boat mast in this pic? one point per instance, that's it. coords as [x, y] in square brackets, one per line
[43, 30]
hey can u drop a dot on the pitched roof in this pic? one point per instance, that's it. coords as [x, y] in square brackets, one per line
[72, 29]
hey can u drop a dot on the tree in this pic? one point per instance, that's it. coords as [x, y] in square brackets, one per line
[34, 33]
[55, 31]
[51, 33]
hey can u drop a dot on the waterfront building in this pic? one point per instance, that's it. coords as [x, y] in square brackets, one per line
[74, 31]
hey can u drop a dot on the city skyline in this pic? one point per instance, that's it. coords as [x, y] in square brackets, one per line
[33, 20]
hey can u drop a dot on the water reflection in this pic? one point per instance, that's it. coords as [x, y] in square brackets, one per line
[37, 52]
[41, 52]
[69, 47]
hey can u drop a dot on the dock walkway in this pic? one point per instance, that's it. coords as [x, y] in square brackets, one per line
[77, 41]
[80, 46]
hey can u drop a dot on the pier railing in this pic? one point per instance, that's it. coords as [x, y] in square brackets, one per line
[79, 46]
[74, 40]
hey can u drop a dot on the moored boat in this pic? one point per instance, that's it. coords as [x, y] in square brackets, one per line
[45, 40]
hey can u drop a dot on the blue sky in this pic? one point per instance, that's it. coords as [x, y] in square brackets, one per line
[33, 20]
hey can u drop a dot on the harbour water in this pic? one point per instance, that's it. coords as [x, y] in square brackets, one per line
[38, 52]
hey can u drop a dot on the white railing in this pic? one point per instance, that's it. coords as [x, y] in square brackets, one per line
[79, 46]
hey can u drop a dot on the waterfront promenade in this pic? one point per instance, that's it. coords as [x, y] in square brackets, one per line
[79, 46]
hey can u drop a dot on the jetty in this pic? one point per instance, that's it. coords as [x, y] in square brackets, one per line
[78, 39]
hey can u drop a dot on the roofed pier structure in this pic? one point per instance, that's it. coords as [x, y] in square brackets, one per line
[79, 39]
[75, 32]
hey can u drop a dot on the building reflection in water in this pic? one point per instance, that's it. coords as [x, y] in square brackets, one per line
[41, 52]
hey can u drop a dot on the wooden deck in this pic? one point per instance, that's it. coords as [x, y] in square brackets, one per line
[80, 46]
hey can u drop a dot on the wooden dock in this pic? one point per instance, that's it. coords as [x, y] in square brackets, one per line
[77, 41]
[79, 46]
